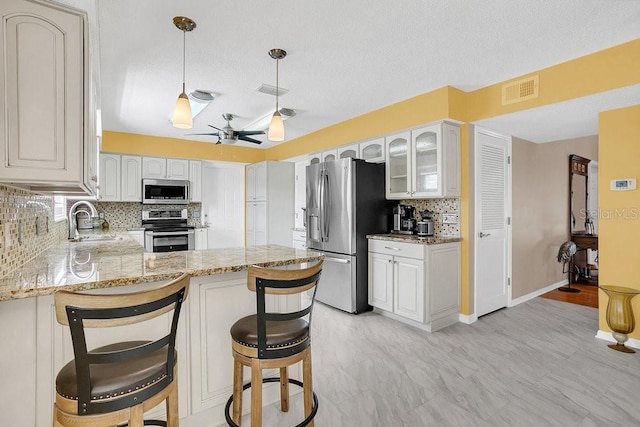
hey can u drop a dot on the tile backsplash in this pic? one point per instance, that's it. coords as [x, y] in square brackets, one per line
[27, 227]
[128, 215]
[438, 207]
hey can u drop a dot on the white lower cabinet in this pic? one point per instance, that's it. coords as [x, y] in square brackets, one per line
[201, 239]
[299, 239]
[414, 282]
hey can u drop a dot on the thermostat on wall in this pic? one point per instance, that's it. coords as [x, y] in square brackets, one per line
[623, 184]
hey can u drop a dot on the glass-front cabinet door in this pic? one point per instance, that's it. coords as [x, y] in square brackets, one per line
[398, 173]
[373, 151]
[426, 161]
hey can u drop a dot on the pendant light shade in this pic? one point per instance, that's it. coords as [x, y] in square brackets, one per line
[276, 128]
[182, 117]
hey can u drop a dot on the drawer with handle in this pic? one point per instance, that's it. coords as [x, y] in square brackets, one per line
[390, 247]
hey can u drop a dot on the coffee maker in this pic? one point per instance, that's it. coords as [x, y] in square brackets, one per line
[403, 221]
[425, 226]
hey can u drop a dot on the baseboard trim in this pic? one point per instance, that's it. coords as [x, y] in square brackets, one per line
[537, 293]
[607, 336]
[468, 318]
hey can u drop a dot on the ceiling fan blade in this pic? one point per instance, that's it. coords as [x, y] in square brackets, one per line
[250, 132]
[212, 126]
[210, 134]
[246, 138]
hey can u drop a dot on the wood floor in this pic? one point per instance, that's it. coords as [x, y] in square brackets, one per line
[587, 296]
[535, 364]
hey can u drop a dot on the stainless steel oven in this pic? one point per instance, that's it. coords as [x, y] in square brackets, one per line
[166, 230]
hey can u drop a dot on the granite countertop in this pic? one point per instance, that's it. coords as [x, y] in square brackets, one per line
[412, 238]
[108, 263]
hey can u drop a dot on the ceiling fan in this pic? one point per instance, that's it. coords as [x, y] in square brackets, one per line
[227, 135]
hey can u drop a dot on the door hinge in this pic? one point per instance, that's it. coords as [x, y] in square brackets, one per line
[508, 220]
[508, 160]
[508, 281]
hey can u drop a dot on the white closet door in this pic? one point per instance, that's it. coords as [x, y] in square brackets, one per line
[492, 214]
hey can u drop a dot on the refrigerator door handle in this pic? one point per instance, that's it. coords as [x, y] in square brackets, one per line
[321, 204]
[326, 207]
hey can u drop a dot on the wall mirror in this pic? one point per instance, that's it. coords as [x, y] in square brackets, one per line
[578, 193]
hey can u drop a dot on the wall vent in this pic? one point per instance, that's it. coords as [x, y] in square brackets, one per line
[271, 90]
[520, 90]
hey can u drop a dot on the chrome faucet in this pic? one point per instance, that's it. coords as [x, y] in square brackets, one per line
[73, 223]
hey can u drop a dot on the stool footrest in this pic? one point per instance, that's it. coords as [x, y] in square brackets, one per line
[150, 423]
[305, 422]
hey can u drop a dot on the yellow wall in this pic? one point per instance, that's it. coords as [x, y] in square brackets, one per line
[601, 71]
[129, 143]
[619, 221]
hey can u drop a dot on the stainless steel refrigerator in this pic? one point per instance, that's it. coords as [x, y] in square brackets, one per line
[345, 202]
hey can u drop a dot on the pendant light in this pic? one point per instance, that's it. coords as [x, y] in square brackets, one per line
[276, 128]
[182, 117]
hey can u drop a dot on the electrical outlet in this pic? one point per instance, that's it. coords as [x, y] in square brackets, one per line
[449, 218]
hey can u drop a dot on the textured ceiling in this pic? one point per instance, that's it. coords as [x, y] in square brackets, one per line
[345, 58]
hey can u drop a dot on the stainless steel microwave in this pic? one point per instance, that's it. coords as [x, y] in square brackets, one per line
[165, 191]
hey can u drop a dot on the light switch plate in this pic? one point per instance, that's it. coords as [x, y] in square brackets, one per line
[449, 218]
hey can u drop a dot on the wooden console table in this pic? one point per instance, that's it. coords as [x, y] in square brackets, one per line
[583, 242]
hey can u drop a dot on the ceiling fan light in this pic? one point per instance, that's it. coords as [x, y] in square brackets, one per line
[276, 128]
[182, 118]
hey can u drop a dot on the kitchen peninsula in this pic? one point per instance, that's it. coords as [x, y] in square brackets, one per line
[36, 347]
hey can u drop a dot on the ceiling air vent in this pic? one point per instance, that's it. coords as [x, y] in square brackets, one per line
[520, 90]
[271, 90]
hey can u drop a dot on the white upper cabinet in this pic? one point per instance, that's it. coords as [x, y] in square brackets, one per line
[162, 168]
[178, 169]
[126, 172]
[257, 182]
[315, 158]
[424, 163]
[109, 177]
[398, 153]
[48, 138]
[373, 151]
[131, 187]
[195, 180]
[329, 155]
[349, 151]
[154, 167]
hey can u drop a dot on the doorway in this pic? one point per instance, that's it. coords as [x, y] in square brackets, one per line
[492, 240]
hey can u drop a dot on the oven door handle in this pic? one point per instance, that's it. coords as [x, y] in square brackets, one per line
[169, 233]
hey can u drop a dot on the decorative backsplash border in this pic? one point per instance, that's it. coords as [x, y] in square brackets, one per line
[27, 227]
[438, 207]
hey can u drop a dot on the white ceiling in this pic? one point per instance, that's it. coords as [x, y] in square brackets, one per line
[347, 58]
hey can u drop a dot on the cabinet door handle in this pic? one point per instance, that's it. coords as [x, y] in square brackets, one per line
[392, 248]
[390, 260]
[484, 234]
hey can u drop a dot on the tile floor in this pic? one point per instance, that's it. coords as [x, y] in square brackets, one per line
[536, 364]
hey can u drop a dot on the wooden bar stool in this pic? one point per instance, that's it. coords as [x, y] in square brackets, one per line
[274, 340]
[118, 382]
